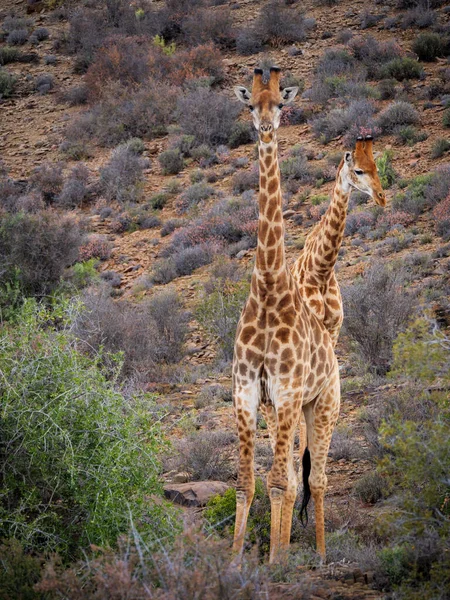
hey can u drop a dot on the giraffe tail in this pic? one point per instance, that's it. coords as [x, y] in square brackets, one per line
[306, 464]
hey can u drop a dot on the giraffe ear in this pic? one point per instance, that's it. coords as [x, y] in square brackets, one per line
[288, 94]
[348, 158]
[242, 93]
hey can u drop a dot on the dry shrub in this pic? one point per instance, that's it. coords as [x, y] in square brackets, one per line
[397, 115]
[208, 116]
[205, 25]
[205, 455]
[35, 249]
[122, 177]
[121, 59]
[48, 180]
[123, 114]
[344, 121]
[370, 488]
[277, 24]
[196, 567]
[373, 54]
[441, 215]
[75, 188]
[149, 335]
[377, 307]
[87, 31]
[97, 247]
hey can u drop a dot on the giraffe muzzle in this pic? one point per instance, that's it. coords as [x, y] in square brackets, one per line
[266, 132]
[381, 199]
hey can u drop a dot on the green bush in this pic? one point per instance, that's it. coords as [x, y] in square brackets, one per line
[219, 313]
[417, 463]
[409, 135]
[8, 55]
[159, 200]
[440, 147]
[79, 461]
[446, 118]
[221, 511]
[171, 161]
[370, 488]
[385, 169]
[401, 69]
[19, 573]
[428, 46]
[7, 83]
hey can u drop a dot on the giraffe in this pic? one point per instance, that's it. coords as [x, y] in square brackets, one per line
[284, 360]
[314, 269]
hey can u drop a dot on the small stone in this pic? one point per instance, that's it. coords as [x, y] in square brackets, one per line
[195, 493]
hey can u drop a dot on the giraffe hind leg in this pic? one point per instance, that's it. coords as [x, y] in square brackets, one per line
[321, 416]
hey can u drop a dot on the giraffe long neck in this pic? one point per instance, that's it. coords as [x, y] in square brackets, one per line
[270, 255]
[328, 234]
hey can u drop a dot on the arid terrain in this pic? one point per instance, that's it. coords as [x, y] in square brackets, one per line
[193, 391]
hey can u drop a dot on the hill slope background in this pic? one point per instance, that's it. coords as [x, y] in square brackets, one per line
[128, 195]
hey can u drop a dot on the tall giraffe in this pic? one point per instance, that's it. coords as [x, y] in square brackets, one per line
[284, 357]
[314, 269]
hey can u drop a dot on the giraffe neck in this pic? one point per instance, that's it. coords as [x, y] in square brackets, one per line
[270, 256]
[330, 231]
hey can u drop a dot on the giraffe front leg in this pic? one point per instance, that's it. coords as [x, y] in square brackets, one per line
[245, 412]
[321, 416]
[282, 481]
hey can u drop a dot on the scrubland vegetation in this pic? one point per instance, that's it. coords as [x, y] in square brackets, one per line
[126, 249]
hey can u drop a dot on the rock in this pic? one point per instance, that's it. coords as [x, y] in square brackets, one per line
[181, 477]
[241, 254]
[289, 213]
[195, 493]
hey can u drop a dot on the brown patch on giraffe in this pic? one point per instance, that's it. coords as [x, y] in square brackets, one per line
[247, 333]
[315, 304]
[283, 334]
[259, 341]
[286, 355]
[268, 161]
[273, 186]
[254, 358]
[334, 304]
[278, 231]
[298, 372]
[263, 228]
[289, 318]
[271, 257]
[271, 239]
[284, 302]
[271, 172]
[261, 258]
[273, 320]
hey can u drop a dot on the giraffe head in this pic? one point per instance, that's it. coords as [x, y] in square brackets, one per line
[266, 101]
[360, 170]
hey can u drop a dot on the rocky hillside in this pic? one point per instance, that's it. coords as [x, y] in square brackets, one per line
[120, 118]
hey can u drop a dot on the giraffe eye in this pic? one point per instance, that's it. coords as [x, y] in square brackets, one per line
[359, 172]
[280, 106]
[250, 107]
